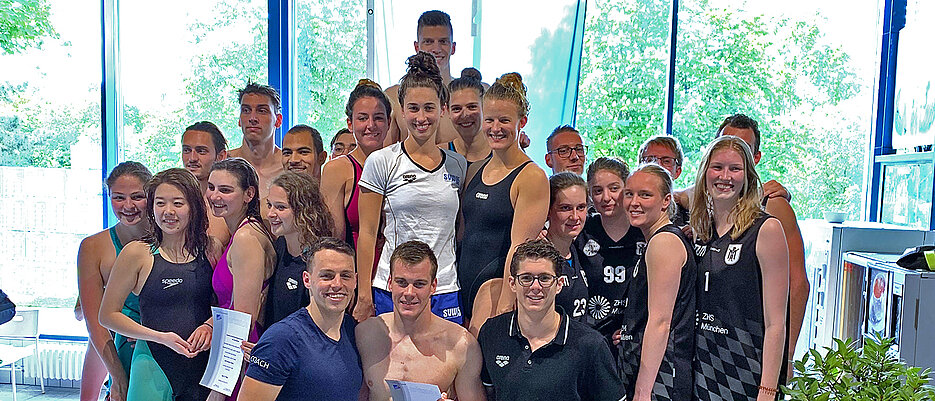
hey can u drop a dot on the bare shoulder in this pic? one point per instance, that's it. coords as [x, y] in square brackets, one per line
[771, 233]
[335, 170]
[136, 249]
[95, 243]
[371, 329]
[392, 93]
[780, 208]
[532, 175]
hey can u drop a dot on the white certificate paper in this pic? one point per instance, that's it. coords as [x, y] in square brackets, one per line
[410, 391]
[226, 360]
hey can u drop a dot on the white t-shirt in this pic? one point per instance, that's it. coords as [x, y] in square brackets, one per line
[418, 205]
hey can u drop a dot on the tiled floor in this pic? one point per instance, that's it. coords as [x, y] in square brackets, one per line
[33, 393]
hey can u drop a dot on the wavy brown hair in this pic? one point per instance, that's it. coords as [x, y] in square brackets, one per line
[748, 207]
[312, 218]
[196, 234]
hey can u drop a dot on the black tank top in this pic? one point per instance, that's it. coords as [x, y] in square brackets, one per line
[574, 296]
[730, 325]
[674, 380]
[605, 263]
[177, 297]
[488, 217]
[287, 293]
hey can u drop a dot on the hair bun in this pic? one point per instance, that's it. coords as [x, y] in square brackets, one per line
[471, 73]
[422, 63]
[368, 82]
[513, 80]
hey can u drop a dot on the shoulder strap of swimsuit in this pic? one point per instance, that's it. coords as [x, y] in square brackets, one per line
[516, 171]
[451, 146]
[113, 237]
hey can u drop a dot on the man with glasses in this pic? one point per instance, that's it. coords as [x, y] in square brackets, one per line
[537, 352]
[666, 151]
[566, 151]
[342, 143]
[413, 344]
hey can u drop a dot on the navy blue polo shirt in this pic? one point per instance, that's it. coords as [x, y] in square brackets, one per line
[295, 354]
[575, 365]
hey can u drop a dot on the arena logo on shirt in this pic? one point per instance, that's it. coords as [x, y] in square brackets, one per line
[733, 253]
[502, 360]
[291, 284]
[591, 248]
[409, 177]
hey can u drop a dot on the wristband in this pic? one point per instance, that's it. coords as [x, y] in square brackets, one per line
[209, 325]
[768, 391]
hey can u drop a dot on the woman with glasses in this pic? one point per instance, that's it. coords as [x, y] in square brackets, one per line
[666, 151]
[568, 210]
[342, 143]
[743, 279]
[505, 203]
[657, 339]
[464, 105]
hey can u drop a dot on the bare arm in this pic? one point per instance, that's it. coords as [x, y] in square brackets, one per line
[131, 268]
[90, 294]
[798, 280]
[247, 262]
[531, 208]
[663, 269]
[468, 385]
[773, 254]
[254, 390]
[369, 207]
[333, 190]
[394, 133]
[773, 189]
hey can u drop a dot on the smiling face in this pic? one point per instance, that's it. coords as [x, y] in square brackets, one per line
[369, 123]
[421, 110]
[725, 175]
[412, 287]
[225, 196]
[465, 110]
[343, 144]
[299, 155]
[607, 192]
[171, 209]
[258, 118]
[568, 212]
[502, 123]
[128, 199]
[643, 199]
[331, 280]
[199, 154]
[436, 40]
[535, 298]
[281, 215]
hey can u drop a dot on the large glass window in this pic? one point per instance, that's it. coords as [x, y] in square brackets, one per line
[331, 53]
[621, 98]
[907, 195]
[50, 148]
[182, 62]
[804, 69]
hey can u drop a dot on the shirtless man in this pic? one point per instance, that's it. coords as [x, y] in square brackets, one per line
[303, 151]
[411, 343]
[260, 115]
[434, 36]
[203, 144]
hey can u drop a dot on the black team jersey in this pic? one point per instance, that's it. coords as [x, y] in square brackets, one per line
[605, 264]
[674, 380]
[730, 324]
[574, 296]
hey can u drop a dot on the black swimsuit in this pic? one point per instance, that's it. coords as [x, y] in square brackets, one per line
[177, 298]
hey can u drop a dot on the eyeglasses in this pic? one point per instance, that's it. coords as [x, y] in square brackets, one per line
[565, 151]
[665, 161]
[338, 148]
[526, 279]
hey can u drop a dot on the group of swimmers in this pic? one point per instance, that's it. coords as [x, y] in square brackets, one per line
[431, 249]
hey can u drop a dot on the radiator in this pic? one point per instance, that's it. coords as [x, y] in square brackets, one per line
[61, 360]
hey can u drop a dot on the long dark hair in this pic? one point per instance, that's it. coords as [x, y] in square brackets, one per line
[246, 177]
[367, 88]
[196, 234]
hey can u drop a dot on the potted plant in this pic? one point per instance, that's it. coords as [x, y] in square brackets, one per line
[848, 372]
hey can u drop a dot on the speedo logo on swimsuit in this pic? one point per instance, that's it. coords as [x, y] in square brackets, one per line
[170, 282]
[502, 360]
[259, 362]
[481, 196]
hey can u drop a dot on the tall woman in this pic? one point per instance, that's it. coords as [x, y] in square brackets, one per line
[465, 107]
[505, 203]
[568, 209]
[743, 279]
[298, 217]
[414, 187]
[609, 246]
[111, 354]
[368, 112]
[658, 336]
[242, 273]
[170, 270]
